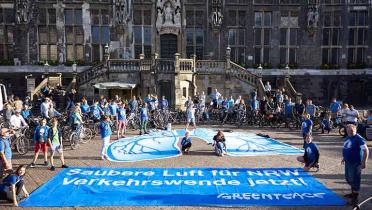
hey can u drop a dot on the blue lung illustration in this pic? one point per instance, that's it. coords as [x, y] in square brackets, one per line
[156, 145]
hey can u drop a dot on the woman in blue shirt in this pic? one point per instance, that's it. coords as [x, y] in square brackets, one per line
[13, 185]
[121, 120]
[105, 130]
[186, 143]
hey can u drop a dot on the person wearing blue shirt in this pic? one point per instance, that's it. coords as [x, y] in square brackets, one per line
[133, 105]
[26, 113]
[13, 185]
[326, 124]
[307, 126]
[96, 111]
[121, 120]
[41, 136]
[5, 151]
[106, 132]
[113, 109]
[84, 106]
[355, 155]
[215, 96]
[144, 118]
[230, 103]
[163, 103]
[311, 155]
[106, 109]
[186, 143]
[254, 99]
[335, 108]
[288, 108]
[299, 108]
[310, 108]
[224, 108]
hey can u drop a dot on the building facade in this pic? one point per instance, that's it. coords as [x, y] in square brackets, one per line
[315, 34]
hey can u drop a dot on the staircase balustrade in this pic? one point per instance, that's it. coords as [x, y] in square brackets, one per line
[186, 65]
[211, 67]
[119, 65]
[90, 74]
[164, 65]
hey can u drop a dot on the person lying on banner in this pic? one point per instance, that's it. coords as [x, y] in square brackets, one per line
[12, 186]
[219, 143]
[311, 155]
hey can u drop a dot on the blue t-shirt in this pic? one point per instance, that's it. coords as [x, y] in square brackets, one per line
[5, 147]
[96, 111]
[310, 109]
[224, 104]
[288, 108]
[311, 151]
[105, 129]
[326, 123]
[335, 107]
[300, 108]
[113, 108]
[306, 126]
[122, 114]
[163, 104]
[186, 141]
[106, 110]
[352, 151]
[84, 108]
[230, 103]
[133, 104]
[369, 118]
[144, 113]
[10, 180]
[41, 134]
[26, 113]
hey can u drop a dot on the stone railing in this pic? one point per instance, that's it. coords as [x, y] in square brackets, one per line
[211, 67]
[186, 65]
[291, 90]
[89, 74]
[120, 65]
[242, 74]
[164, 65]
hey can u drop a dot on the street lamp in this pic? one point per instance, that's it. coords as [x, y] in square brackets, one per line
[259, 70]
[287, 69]
[74, 68]
[46, 70]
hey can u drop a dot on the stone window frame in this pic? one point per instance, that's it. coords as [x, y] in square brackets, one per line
[104, 22]
[357, 52]
[76, 28]
[49, 43]
[195, 27]
[262, 47]
[330, 49]
[7, 42]
[145, 25]
[333, 2]
[265, 2]
[288, 46]
[289, 2]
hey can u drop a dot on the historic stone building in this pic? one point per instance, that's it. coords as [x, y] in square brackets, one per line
[137, 42]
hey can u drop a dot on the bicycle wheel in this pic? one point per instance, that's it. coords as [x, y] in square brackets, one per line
[292, 125]
[342, 131]
[22, 145]
[86, 135]
[74, 141]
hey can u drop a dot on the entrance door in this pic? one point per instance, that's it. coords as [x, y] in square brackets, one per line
[166, 90]
[168, 45]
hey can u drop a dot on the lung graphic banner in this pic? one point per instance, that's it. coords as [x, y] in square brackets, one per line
[182, 187]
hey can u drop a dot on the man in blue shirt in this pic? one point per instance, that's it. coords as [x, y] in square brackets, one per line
[84, 106]
[133, 105]
[113, 109]
[254, 99]
[288, 108]
[355, 155]
[5, 151]
[105, 130]
[335, 108]
[310, 108]
[215, 96]
[311, 155]
[163, 103]
[96, 111]
[299, 108]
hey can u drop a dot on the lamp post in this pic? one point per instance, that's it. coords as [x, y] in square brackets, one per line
[259, 70]
[287, 71]
[46, 71]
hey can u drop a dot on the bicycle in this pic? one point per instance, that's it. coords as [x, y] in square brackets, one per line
[20, 142]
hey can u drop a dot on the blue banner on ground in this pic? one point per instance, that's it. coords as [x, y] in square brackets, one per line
[156, 145]
[182, 187]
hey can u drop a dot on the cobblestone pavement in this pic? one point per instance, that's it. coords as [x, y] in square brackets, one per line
[331, 173]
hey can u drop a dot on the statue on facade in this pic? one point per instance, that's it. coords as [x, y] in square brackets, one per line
[168, 18]
[160, 18]
[168, 11]
[312, 19]
[177, 17]
[216, 17]
[22, 11]
[120, 12]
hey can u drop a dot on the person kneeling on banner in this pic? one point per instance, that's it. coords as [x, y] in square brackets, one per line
[219, 144]
[186, 143]
[12, 186]
[311, 155]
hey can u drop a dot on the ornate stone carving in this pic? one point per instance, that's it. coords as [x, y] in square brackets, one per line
[22, 11]
[168, 18]
[312, 19]
[121, 12]
[216, 17]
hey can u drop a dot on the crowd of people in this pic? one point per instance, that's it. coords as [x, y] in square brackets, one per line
[47, 134]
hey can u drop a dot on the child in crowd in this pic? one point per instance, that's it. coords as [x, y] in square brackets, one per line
[105, 130]
[121, 120]
[144, 115]
[41, 136]
[326, 123]
[186, 143]
[311, 155]
[55, 142]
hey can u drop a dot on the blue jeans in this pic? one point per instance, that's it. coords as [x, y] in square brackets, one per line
[353, 173]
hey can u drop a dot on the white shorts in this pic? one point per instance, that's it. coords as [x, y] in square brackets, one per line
[56, 148]
[191, 120]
